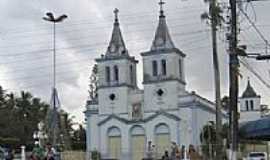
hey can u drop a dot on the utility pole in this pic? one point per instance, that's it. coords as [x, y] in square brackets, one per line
[214, 22]
[233, 69]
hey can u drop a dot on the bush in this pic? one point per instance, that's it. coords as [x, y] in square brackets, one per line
[95, 155]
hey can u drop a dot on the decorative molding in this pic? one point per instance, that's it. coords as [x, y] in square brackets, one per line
[88, 113]
[163, 51]
[112, 58]
[151, 117]
[148, 81]
[102, 86]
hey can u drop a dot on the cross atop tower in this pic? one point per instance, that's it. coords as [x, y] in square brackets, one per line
[116, 11]
[161, 3]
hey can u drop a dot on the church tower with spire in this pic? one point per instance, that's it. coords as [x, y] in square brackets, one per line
[125, 121]
[116, 72]
[163, 68]
[250, 104]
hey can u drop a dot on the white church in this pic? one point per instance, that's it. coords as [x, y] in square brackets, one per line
[124, 118]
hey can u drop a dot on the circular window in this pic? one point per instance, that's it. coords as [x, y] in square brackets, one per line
[160, 92]
[112, 97]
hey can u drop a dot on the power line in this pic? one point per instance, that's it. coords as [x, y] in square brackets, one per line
[64, 72]
[252, 70]
[89, 45]
[255, 27]
[140, 15]
[91, 36]
[186, 44]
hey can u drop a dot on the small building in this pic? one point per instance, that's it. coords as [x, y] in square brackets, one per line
[251, 108]
[124, 118]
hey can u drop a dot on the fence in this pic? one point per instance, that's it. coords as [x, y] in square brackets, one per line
[73, 155]
[202, 152]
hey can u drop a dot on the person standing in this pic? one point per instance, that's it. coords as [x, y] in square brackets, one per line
[50, 152]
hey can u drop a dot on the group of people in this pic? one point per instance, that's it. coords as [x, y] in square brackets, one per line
[175, 153]
[40, 153]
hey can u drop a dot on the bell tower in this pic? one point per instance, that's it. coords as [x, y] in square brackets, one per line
[116, 72]
[163, 69]
[250, 104]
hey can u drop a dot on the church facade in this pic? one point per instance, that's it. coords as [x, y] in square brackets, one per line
[124, 118]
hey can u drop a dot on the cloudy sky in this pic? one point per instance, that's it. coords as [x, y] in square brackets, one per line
[26, 44]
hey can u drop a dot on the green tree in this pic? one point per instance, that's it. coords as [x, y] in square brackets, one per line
[19, 116]
[79, 139]
[209, 140]
[93, 83]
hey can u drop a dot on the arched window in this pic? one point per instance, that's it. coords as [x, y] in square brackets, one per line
[116, 73]
[162, 138]
[163, 67]
[108, 74]
[131, 74]
[114, 142]
[247, 106]
[155, 68]
[251, 105]
[180, 69]
[137, 142]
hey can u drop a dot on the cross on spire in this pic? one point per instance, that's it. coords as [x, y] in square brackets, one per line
[116, 11]
[161, 3]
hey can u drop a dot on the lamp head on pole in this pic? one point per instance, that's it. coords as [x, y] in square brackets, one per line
[50, 17]
[61, 18]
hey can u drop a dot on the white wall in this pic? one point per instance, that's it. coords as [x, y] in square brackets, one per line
[118, 105]
[172, 63]
[124, 71]
[168, 100]
[200, 118]
[149, 127]
[256, 102]
[249, 116]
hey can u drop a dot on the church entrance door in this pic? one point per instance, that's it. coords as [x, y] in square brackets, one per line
[137, 142]
[162, 139]
[115, 147]
[114, 142]
[138, 147]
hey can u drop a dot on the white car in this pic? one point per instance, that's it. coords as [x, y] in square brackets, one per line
[257, 156]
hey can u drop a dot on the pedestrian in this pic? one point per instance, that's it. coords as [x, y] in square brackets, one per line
[10, 154]
[166, 155]
[50, 152]
[178, 153]
[193, 154]
[37, 152]
[150, 150]
[173, 152]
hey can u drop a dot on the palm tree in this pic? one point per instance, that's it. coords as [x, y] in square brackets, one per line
[216, 19]
[24, 113]
[208, 139]
[2, 97]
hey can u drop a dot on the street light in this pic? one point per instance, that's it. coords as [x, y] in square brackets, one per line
[50, 18]
[53, 126]
[241, 51]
